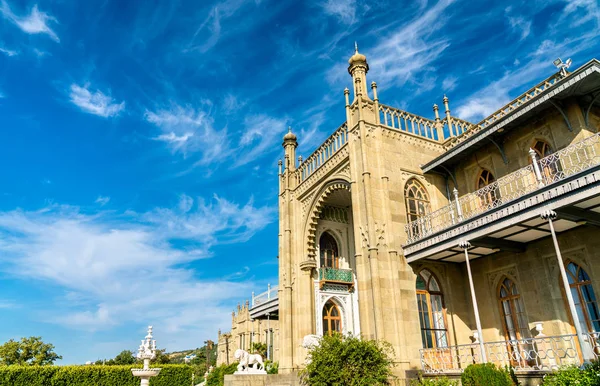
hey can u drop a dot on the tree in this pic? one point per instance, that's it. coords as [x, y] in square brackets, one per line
[161, 357]
[28, 351]
[259, 348]
[339, 360]
[125, 357]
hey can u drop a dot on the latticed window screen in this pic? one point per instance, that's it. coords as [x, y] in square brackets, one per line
[513, 312]
[332, 318]
[432, 312]
[329, 251]
[417, 200]
[584, 297]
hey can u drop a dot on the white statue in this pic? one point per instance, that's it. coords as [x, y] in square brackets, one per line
[309, 342]
[249, 363]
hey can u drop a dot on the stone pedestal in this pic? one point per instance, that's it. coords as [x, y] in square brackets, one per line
[262, 380]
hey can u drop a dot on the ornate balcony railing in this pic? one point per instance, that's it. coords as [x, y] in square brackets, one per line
[542, 353]
[555, 167]
[336, 275]
[330, 146]
[405, 121]
[266, 296]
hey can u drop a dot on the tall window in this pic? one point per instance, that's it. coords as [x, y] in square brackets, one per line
[486, 196]
[417, 200]
[332, 318]
[432, 314]
[542, 148]
[513, 312]
[584, 297]
[328, 247]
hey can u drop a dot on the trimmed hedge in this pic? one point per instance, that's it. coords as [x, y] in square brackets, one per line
[91, 375]
[485, 374]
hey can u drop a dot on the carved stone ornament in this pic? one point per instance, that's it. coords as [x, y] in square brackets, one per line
[249, 363]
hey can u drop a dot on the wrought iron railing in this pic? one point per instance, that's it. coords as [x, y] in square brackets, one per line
[405, 121]
[268, 295]
[541, 353]
[330, 146]
[336, 275]
[555, 167]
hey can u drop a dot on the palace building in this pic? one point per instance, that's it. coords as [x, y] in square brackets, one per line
[457, 242]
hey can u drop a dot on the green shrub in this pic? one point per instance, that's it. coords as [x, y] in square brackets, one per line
[91, 375]
[443, 381]
[272, 367]
[485, 374]
[588, 375]
[349, 361]
[217, 376]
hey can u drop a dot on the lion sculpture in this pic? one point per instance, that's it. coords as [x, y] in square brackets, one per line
[248, 361]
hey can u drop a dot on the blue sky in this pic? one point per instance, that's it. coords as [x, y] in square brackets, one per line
[140, 140]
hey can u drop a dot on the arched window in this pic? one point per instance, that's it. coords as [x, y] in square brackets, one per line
[584, 297]
[548, 167]
[487, 194]
[332, 318]
[542, 148]
[513, 312]
[328, 247]
[417, 200]
[432, 314]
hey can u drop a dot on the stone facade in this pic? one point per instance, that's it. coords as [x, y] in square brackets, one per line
[350, 252]
[244, 332]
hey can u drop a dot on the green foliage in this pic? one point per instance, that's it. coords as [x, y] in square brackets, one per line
[485, 374]
[217, 376]
[272, 367]
[259, 348]
[443, 381]
[162, 358]
[92, 375]
[125, 357]
[589, 375]
[339, 360]
[28, 351]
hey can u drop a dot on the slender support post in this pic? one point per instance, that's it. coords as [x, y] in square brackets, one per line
[268, 291]
[549, 216]
[536, 168]
[268, 336]
[458, 208]
[465, 245]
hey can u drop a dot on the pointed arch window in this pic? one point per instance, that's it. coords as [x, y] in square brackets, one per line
[417, 200]
[432, 312]
[513, 312]
[487, 194]
[328, 247]
[548, 167]
[332, 319]
[542, 148]
[584, 297]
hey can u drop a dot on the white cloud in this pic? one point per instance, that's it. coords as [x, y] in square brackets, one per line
[260, 135]
[118, 268]
[520, 25]
[8, 52]
[102, 200]
[343, 10]
[587, 10]
[449, 83]
[96, 102]
[186, 129]
[34, 23]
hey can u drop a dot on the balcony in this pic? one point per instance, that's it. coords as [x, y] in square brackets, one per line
[336, 277]
[266, 304]
[542, 353]
[538, 175]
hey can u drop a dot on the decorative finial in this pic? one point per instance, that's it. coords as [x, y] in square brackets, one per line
[289, 129]
[355, 47]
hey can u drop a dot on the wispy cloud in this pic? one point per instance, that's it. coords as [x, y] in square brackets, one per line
[8, 52]
[186, 129]
[343, 10]
[36, 22]
[121, 267]
[518, 24]
[94, 102]
[102, 200]
[449, 83]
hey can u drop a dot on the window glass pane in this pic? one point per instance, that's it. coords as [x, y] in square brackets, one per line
[426, 274]
[572, 268]
[588, 293]
[433, 285]
[583, 276]
[420, 283]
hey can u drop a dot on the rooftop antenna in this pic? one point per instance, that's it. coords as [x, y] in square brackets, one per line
[562, 66]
